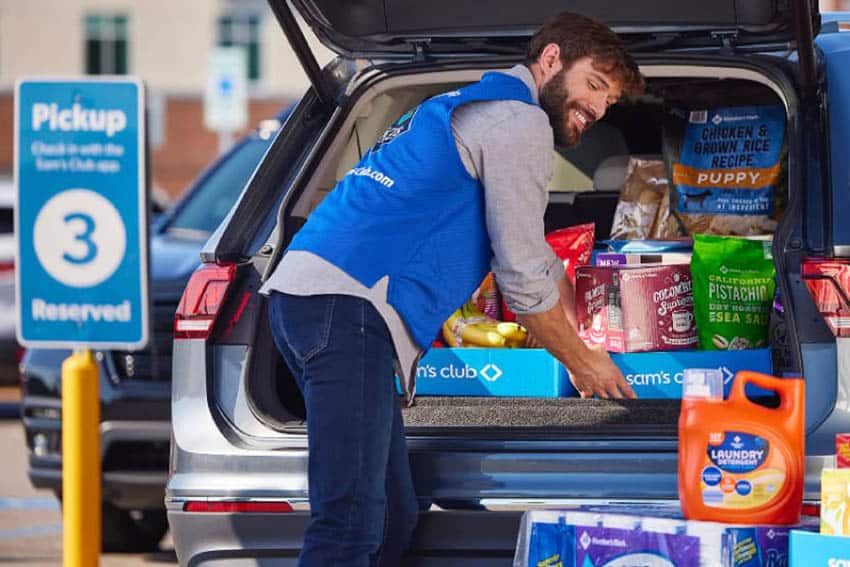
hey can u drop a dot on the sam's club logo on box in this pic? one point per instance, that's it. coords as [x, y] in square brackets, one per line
[835, 562]
[489, 372]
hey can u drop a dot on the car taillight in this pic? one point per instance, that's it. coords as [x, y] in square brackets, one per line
[810, 509]
[202, 300]
[238, 507]
[6, 266]
[828, 281]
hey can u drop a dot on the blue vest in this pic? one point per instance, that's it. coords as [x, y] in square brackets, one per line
[410, 210]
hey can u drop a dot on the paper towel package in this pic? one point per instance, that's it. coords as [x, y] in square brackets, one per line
[584, 537]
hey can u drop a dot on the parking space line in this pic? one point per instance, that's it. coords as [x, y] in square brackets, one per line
[29, 504]
[28, 531]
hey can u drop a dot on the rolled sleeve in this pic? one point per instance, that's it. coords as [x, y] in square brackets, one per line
[516, 165]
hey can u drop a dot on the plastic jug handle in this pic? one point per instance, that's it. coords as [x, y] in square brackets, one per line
[744, 377]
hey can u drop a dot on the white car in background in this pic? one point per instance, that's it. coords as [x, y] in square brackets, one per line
[9, 349]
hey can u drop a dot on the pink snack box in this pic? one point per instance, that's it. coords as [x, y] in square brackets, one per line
[636, 309]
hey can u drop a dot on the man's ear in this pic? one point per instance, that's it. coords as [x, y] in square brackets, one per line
[550, 59]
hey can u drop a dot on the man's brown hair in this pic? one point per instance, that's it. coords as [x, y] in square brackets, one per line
[581, 36]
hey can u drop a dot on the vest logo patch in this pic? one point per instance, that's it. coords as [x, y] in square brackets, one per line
[398, 128]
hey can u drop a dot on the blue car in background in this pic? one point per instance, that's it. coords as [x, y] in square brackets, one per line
[135, 386]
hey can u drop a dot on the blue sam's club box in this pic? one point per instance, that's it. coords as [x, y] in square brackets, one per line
[535, 373]
[661, 374]
[817, 550]
[491, 372]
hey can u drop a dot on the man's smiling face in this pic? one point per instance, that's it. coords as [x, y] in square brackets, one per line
[577, 97]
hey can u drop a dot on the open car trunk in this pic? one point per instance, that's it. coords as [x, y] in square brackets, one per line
[585, 188]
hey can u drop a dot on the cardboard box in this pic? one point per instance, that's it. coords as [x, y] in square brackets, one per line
[810, 549]
[636, 309]
[491, 372]
[535, 373]
[660, 374]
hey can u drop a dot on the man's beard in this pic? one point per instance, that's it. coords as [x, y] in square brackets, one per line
[553, 100]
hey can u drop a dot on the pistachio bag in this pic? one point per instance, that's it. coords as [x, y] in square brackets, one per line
[734, 283]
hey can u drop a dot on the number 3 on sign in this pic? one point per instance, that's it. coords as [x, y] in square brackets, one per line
[84, 237]
[79, 238]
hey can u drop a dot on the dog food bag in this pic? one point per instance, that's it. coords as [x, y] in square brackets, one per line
[726, 178]
[734, 284]
[642, 193]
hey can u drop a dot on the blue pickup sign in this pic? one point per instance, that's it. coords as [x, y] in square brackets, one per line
[81, 213]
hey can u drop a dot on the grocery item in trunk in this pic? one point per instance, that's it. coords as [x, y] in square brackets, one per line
[726, 177]
[635, 309]
[574, 246]
[618, 259]
[492, 372]
[468, 326]
[667, 225]
[742, 462]
[660, 375]
[642, 193]
[486, 298]
[734, 283]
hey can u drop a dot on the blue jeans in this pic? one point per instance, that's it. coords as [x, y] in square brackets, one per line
[363, 506]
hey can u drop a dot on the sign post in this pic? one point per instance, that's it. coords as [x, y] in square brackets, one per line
[82, 277]
[226, 95]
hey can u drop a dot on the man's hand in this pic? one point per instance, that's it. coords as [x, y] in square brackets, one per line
[597, 375]
[592, 371]
[532, 342]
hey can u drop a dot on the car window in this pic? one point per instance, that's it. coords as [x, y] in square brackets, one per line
[7, 223]
[210, 202]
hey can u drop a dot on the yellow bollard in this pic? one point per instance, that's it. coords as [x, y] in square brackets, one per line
[81, 514]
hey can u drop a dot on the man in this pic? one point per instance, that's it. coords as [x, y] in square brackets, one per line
[454, 189]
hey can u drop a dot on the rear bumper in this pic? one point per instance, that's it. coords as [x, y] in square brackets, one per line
[442, 538]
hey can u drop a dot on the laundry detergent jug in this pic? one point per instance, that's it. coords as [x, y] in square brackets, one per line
[739, 461]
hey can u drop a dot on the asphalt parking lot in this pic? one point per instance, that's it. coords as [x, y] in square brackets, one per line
[30, 519]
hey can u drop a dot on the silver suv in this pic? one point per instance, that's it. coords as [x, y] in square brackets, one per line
[237, 490]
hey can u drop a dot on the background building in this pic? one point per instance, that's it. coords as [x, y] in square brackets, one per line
[834, 5]
[164, 42]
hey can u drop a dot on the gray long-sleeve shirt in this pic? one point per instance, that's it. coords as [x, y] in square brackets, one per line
[507, 145]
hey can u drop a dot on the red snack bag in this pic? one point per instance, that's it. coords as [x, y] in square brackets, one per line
[574, 246]
[507, 314]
